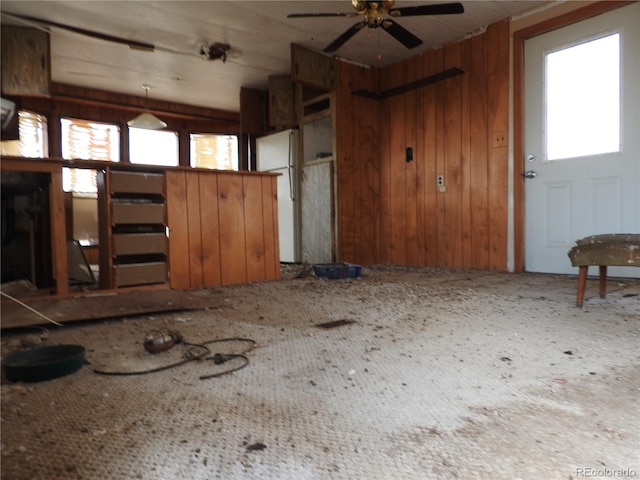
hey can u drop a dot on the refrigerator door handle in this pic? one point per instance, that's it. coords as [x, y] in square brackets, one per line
[290, 168]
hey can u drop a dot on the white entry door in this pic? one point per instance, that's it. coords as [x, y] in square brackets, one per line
[582, 131]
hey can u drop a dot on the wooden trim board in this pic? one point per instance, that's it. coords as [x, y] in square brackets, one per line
[98, 306]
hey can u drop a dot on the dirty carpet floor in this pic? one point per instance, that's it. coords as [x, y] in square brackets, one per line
[426, 374]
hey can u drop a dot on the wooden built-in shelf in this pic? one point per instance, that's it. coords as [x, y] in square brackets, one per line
[165, 227]
[316, 107]
[133, 221]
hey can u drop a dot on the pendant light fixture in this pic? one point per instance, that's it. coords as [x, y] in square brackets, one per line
[146, 120]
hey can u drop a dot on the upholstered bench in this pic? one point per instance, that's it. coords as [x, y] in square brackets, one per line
[610, 250]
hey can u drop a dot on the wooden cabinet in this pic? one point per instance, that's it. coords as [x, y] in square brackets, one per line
[132, 216]
[281, 102]
[252, 111]
[311, 68]
[166, 227]
[25, 61]
[223, 227]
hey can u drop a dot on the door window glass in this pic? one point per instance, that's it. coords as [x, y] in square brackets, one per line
[582, 87]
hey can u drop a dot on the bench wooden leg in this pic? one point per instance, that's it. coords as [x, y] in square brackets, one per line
[603, 281]
[582, 284]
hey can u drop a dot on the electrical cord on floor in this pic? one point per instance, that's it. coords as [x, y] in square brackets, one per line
[193, 355]
[220, 358]
[189, 357]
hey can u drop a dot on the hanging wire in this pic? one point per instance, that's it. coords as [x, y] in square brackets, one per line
[31, 309]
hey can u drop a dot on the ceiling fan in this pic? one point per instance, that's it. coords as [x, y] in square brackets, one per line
[374, 17]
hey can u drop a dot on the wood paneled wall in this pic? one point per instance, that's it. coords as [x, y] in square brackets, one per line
[223, 228]
[358, 165]
[390, 210]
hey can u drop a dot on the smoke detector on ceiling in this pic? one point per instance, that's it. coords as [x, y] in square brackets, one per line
[215, 51]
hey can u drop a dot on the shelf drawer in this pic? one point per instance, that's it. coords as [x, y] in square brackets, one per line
[140, 273]
[137, 213]
[139, 244]
[136, 182]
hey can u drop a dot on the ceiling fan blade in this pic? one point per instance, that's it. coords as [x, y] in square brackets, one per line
[439, 9]
[401, 34]
[342, 39]
[134, 44]
[313, 15]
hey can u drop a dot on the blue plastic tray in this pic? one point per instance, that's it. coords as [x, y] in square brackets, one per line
[334, 271]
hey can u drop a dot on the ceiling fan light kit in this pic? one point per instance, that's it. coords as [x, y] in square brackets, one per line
[146, 120]
[374, 17]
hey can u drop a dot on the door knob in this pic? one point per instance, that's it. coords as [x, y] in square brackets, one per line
[529, 174]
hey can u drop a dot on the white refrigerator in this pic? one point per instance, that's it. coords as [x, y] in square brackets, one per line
[278, 153]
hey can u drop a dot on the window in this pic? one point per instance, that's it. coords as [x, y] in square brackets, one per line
[87, 140]
[583, 99]
[33, 141]
[214, 151]
[84, 139]
[153, 147]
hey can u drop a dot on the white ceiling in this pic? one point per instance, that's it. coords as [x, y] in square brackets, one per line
[259, 33]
